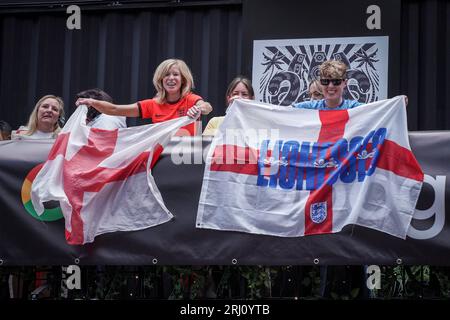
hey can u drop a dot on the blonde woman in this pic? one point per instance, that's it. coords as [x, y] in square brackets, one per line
[174, 83]
[315, 90]
[239, 88]
[43, 122]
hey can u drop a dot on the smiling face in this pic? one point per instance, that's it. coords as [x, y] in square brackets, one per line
[332, 92]
[333, 81]
[172, 82]
[48, 114]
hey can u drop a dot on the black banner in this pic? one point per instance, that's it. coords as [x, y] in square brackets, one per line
[27, 240]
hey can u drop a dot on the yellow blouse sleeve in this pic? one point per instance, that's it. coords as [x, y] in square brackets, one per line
[212, 126]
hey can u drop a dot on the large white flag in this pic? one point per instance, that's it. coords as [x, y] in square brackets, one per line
[102, 178]
[314, 172]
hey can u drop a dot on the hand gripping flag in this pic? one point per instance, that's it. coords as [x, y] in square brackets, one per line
[102, 178]
[314, 172]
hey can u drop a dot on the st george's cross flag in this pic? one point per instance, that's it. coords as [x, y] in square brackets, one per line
[312, 172]
[102, 178]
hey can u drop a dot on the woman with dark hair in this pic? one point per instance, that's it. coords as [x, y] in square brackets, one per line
[95, 118]
[239, 88]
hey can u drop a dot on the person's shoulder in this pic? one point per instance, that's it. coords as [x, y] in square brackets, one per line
[120, 121]
[109, 122]
[216, 120]
[146, 107]
[192, 97]
[110, 117]
[349, 104]
[20, 133]
[36, 135]
[312, 104]
[147, 102]
[212, 126]
[22, 129]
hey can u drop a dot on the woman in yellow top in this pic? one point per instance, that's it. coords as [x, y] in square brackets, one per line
[239, 88]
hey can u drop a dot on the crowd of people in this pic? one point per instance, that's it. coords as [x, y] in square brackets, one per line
[174, 84]
[172, 80]
[174, 98]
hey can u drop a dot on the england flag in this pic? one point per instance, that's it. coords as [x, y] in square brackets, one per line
[312, 172]
[102, 178]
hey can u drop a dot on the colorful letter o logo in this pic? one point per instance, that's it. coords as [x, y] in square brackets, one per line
[52, 214]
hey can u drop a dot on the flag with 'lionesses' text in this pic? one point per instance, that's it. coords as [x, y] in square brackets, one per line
[292, 172]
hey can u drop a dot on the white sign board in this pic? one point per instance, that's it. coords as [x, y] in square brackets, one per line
[282, 69]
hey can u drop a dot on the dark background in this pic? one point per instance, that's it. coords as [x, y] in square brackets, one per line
[121, 43]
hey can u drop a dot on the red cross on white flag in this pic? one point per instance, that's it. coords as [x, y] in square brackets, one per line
[294, 172]
[102, 178]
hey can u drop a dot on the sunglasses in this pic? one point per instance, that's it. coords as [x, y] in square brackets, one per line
[335, 82]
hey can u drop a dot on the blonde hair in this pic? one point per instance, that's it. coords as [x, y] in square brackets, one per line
[33, 120]
[333, 69]
[316, 83]
[313, 95]
[187, 81]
